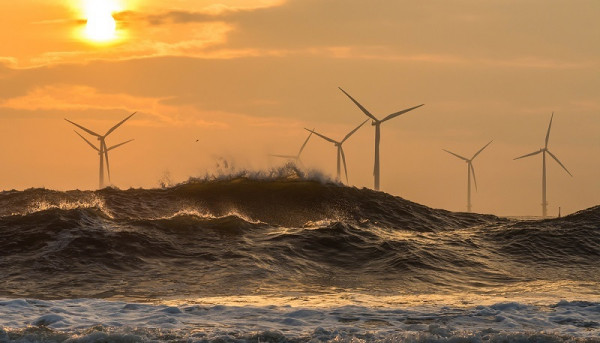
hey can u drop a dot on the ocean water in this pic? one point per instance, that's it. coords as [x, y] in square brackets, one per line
[288, 258]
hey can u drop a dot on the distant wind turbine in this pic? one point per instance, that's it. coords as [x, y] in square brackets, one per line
[470, 170]
[377, 123]
[340, 150]
[545, 150]
[103, 149]
[296, 157]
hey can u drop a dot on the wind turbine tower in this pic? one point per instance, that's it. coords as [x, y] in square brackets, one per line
[103, 149]
[545, 150]
[470, 170]
[340, 150]
[377, 123]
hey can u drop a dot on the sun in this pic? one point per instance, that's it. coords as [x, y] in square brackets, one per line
[101, 26]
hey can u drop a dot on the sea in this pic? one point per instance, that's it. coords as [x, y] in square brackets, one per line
[288, 256]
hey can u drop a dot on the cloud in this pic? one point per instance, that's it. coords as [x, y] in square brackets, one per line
[202, 13]
[437, 32]
[489, 34]
[198, 38]
[157, 112]
[73, 97]
[77, 98]
[386, 54]
[166, 18]
[6, 63]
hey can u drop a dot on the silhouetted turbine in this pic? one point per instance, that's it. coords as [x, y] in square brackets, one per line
[545, 150]
[377, 123]
[103, 150]
[296, 157]
[340, 150]
[470, 170]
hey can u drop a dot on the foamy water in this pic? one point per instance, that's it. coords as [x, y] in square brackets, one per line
[89, 320]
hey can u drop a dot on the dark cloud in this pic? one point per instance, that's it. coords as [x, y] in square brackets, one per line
[170, 17]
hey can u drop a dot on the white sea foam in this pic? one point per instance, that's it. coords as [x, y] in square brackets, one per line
[44, 204]
[205, 214]
[287, 171]
[95, 319]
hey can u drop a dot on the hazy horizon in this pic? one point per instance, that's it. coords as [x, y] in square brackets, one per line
[245, 78]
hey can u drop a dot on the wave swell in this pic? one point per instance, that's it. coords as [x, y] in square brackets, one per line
[265, 235]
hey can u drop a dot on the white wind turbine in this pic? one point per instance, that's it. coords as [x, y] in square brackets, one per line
[340, 150]
[103, 150]
[296, 157]
[377, 123]
[470, 170]
[545, 150]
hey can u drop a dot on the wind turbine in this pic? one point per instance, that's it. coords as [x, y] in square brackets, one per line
[470, 170]
[377, 123]
[340, 150]
[103, 150]
[545, 150]
[296, 158]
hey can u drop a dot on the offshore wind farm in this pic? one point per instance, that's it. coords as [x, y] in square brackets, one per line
[154, 244]
[222, 215]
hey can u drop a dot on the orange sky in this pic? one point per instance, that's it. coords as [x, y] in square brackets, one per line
[244, 77]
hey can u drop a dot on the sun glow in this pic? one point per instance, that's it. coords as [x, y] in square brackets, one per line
[101, 26]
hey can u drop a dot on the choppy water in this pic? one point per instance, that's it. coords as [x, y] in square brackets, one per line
[288, 259]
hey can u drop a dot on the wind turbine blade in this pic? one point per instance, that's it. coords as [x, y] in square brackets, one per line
[473, 172]
[107, 164]
[119, 124]
[353, 131]
[359, 105]
[118, 145]
[88, 142]
[283, 156]
[548, 133]
[344, 161]
[83, 128]
[531, 154]
[457, 155]
[320, 135]
[303, 145]
[480, 150]
[394, 115]
[556, 159]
